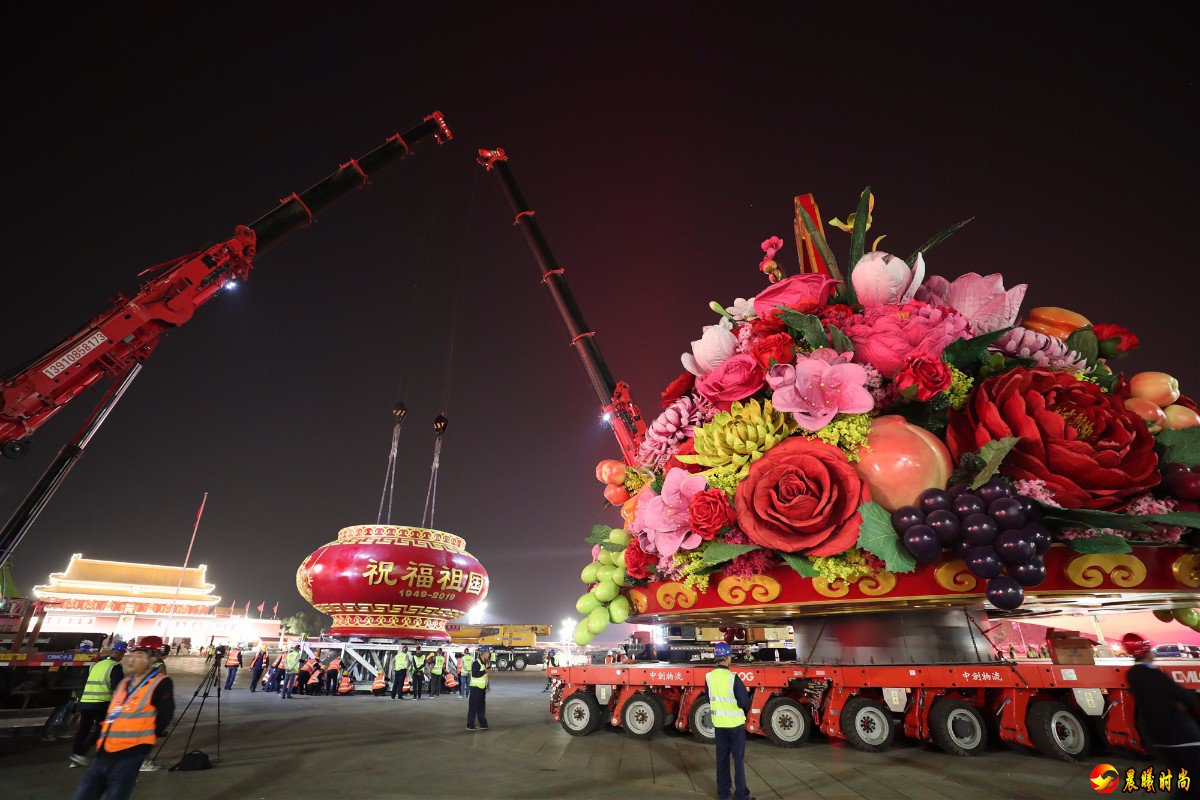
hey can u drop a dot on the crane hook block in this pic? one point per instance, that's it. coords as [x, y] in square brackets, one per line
[398, 411]
[439, 424]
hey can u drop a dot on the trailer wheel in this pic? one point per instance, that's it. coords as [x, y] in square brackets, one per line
[519, 663]
[643, 716]
[1059, 731]
[700, 720]
[502, 661]
[958, 727]
[868, 725]
[786, 722]
[581, 714]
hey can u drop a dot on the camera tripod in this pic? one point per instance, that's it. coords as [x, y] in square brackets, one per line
[211, 681]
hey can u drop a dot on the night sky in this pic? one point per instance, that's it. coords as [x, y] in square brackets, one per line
[659, 148]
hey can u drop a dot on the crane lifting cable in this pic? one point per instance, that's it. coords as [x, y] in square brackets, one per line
[441, 422]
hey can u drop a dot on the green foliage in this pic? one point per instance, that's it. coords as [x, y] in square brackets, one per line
[719, 552]
[1083, 341]
[611, 547]
[599, 534]
[858, 236]
[804, 327]
[879, 538]
[967, 354]
[981, 466]
[839, 341]
[1104, 543]
[306, 623]
[1179, 447]
[822, 246]
[804, 568]
[1094, 519]
[936, 239]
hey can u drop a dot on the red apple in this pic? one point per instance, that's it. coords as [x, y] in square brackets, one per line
[611, 472]
[1150, 412]
[900, 461]
[1180, 417]
[1182, 482]
[1157, 387]
[615, 494]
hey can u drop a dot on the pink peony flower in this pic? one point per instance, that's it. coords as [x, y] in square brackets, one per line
[982, 299]
[661, 521]
[801, 292]
[819, 387]
[885, 336]
[735, 378]
[883, 279]
[716, 344]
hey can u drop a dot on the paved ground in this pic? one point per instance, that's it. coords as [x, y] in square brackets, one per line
[366, 747]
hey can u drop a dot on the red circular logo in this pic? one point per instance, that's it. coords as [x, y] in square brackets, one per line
[1104, 779]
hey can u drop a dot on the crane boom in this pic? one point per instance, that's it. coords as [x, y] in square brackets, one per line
[127, 333]
[615, 399]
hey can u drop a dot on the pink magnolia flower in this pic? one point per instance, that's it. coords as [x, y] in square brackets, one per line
[819, 387]
[980, 298]
[735, 378]
[885, 336]
[883, 279]
[715, 345]
[804, 293]
[661, 521]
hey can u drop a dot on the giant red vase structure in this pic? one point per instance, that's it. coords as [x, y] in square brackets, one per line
[392, 581]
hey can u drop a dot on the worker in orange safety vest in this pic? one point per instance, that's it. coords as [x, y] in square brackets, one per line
[331, 675]
[345, 686]
[232, 661]
[379, 685]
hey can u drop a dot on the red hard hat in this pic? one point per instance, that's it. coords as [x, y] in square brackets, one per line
[149, 644]
[1135, 644]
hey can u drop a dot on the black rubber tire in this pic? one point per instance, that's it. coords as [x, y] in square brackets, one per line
[643, 716]
[581, 714]
[700, 721]
[1059, 731]
[502, 661]
[958, 727]
[786, 722]
[519, 663]
[868, 725]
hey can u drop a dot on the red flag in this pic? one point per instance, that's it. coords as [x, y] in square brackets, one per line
[275, 610]
[261, 606]
[247, 611]
[231, 605]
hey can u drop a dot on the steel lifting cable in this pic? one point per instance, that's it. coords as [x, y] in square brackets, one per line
[399, 411]
[441, 422]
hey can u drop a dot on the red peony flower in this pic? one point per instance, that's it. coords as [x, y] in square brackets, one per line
[762, 327]
[688, 448]
[778, 347]
[928, 374]
[1126, 339]
[708, 512]
[1090, 451]
[735, 378]
[805, 293]
[677, 389]
[636, 561]
[836, 315]
[802, 496]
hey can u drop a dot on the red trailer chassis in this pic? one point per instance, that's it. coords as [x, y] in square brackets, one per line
[1057, 709]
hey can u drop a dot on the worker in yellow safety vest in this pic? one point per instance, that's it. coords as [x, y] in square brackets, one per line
[728, 702]
[419, 673]
[291, 669]
[331, 675]
[102, 678]
[400, 663]
[477, 704]
[439, 667]
[140, 711]
[464, 673]
[233, 660]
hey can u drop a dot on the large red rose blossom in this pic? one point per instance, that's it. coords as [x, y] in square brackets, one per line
[636, 561]
[802, 496]
[1090, 451]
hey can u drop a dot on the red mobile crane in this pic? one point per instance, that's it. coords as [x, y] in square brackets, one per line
[117, 341]
[1057, 709]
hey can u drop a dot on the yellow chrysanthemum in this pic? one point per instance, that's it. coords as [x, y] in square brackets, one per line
[736, 438]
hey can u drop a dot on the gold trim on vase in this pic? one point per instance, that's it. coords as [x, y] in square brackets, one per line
[877, 585]
[1186, 570]
[834, 588]
[1123, 570]
[955, 577]
[761, 588]
[638, 598]
[673, 593]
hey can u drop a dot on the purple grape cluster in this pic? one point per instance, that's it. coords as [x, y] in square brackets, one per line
[992, 529]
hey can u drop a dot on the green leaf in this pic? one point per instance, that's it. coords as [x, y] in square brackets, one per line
[858, 236]
[599, 534]
[807, 326]
[879, 538]
[1083, 341]
[804, 568]
[1104, 543]
[992, 455]
[964, 354]
[1179, 447]
[719, 552]
[1138, 523]
[839, 341]
[612, 547]
[822, 245]
[936, 239]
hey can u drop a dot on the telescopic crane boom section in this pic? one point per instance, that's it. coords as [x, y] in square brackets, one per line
[615, 399]
[126, 334]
